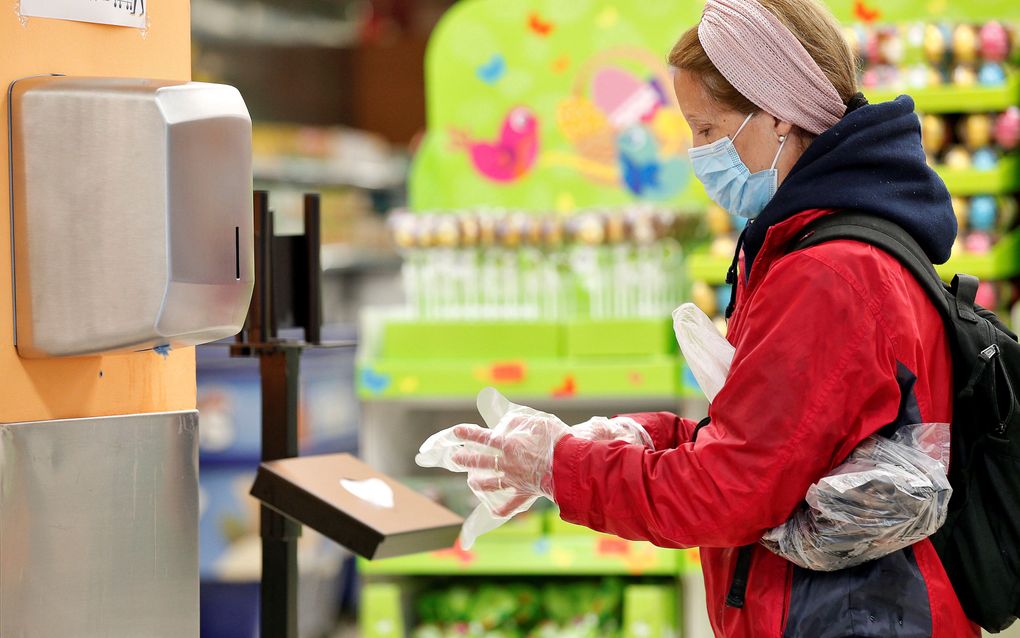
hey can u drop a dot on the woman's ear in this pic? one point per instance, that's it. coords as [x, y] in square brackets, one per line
[783, 129]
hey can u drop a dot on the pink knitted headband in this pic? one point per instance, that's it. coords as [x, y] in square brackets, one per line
[763, 60]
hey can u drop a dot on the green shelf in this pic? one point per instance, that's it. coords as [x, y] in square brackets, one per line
[586, 554]
[650, 376]
[1001, 263]
[1003, 179]
[711, 269]
[956, 99]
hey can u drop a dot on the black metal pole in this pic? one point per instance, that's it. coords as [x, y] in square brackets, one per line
[313, 251]
[280, 369]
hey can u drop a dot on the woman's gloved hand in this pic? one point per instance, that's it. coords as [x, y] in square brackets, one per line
[509, 465]
[619, 428]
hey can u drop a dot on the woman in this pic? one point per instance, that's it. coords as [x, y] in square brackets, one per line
[833, 343]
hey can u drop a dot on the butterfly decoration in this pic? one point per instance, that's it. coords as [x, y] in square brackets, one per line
[645, 172]
[866, 14]
[540, 26]
[492, 71]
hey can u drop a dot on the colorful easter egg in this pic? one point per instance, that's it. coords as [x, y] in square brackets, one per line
[975, 130]
[962, 209]
[934, 44]
[983, 209]
[718, 220]
[1007, 128]
[964, 75]
[723, 246]
[987, 296]
[985, 159]
[957, 158]
[979, 243]
[965, 44]
[890, 46]
[994, 42]
[991, 74]
[703, 297]
[933, 133]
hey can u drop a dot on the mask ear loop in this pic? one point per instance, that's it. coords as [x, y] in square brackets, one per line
[746, 120]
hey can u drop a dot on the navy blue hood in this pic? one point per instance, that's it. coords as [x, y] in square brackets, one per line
[871, 161]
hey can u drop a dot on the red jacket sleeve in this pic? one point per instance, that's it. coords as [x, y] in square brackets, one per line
[666, 429]
[813, 375]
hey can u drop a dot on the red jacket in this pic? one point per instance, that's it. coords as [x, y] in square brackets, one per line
[833, 343]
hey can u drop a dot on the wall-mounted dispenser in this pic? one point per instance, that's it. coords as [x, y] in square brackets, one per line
[131, 213]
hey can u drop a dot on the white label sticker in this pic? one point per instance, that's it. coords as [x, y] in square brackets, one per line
[123, 13]
[373, 490]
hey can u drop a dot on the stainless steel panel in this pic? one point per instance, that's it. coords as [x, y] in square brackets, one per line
[131, 207]
[99, 527]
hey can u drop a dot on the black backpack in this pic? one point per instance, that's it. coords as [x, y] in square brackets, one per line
[980, 542]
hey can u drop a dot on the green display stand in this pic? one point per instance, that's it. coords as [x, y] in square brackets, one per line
[956, 99]
[650, 611]
[585, 554]
[380, 613]
[540, 378]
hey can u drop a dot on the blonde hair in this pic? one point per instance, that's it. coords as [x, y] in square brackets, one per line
[810, 22]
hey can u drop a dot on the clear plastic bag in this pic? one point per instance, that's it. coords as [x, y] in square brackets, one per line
[706, 352]
[889, 494]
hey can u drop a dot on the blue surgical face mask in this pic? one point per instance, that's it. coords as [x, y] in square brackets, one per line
[727, 179]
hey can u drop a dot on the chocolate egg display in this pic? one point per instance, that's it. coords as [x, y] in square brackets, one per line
[933, 133]
[1008, 212]
[983, 209]
[962, 208]
[987, 296]
[1007, 128]
[964, 75]
[718, 220]
[985, 159]
[991, 74]
[994, 42]
[890, 46]
[965, 44]
[957, 158]
[723, 246]
[937, 76]
[978, 242]
[934, 44]
[703, 297]
[975, 131]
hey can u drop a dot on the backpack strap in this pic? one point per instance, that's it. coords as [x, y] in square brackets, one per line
[965, 288]
[894, 240]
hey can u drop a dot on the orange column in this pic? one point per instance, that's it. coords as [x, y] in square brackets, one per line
[32, 390]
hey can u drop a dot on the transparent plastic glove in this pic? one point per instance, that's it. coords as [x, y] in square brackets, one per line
[889, 494]
[706, 351]
[509, 466]
[619, 428]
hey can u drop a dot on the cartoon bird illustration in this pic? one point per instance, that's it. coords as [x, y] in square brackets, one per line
[512, 155]
[645, 173]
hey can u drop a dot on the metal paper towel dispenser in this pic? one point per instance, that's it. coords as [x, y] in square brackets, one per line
[131, 209]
